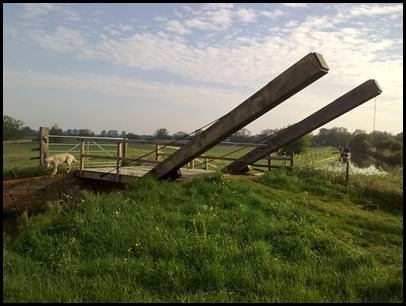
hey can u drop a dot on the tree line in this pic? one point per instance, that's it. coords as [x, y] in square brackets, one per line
[377, 144]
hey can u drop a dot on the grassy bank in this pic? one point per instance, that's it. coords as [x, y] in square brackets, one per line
[284, 237]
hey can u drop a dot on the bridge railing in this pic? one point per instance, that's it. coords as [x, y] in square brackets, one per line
[114, 151]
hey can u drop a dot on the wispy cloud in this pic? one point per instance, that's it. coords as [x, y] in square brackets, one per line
[127, 87]
[33, 10]
[177, 27]
[38, 10]
[62, 40]
[248, 63]
[246, 15]
[273, 13]
[296, 5]
[239, 48]
[375, 10]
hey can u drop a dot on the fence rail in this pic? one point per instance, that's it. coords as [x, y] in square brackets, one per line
[116, 150]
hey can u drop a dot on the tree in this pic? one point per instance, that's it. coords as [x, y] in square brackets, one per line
[399, 137]
[55, 130]
[12, 128]
[112, 133]
[132, 136]
[162, 134]
[359, 131]
[28, 132]
[297, 146]
[242, 135]
[360, 143]
[179, 135]
[378, 137]
[337, 136]
[69, 132]
[86, 132]
[103, 133]
[396, 146]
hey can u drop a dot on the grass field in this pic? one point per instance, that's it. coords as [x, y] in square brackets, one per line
[287, 236]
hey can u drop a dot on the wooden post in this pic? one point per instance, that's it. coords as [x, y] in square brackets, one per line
[347, 172]
[88, 152]
[291, 159]
[125, 147]
[43, 145]
[81, 158]
[157, 152]
[206, 164]
[119, 155]
[269, 162]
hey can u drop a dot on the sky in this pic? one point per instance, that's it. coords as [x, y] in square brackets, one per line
[141, 67]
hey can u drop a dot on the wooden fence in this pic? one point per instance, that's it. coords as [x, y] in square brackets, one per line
[116, 150]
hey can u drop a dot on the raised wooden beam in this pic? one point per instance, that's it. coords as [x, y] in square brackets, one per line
[338, 107]
[307, 70]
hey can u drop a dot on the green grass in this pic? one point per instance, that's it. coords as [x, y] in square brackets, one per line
[17, 162]
[284, 237]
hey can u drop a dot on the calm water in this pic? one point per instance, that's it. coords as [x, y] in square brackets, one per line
[338, 166]
[359, 164]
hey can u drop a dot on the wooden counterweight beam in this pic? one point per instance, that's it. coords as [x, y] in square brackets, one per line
[301, 74]
[338, 107]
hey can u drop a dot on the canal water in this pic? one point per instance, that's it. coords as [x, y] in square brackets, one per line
[338, 166]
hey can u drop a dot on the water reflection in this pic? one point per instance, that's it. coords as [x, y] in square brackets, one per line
[338, 166]
[361, 160]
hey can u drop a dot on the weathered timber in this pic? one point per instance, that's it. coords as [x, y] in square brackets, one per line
[44, 144]
[307, 70]
[338, 107]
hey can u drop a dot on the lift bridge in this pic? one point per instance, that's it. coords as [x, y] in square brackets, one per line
[301, 74]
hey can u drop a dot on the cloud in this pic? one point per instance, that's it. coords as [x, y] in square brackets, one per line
[210, 45]
[273, 13]
[246, 15]
[61, 41]
[177, 27]
[217, 6]
[37, 10]
[245, 61]
[33, 10]
[296, 5]
[204, 97]
[375, 10]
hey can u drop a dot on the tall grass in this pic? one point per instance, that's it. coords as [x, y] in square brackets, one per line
[285, 237]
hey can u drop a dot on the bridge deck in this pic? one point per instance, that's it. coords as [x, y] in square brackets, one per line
[128, 174]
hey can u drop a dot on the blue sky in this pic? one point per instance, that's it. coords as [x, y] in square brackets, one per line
[139, 67]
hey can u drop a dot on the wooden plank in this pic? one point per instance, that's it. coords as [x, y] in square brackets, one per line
[307, 70]
[338, 107]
